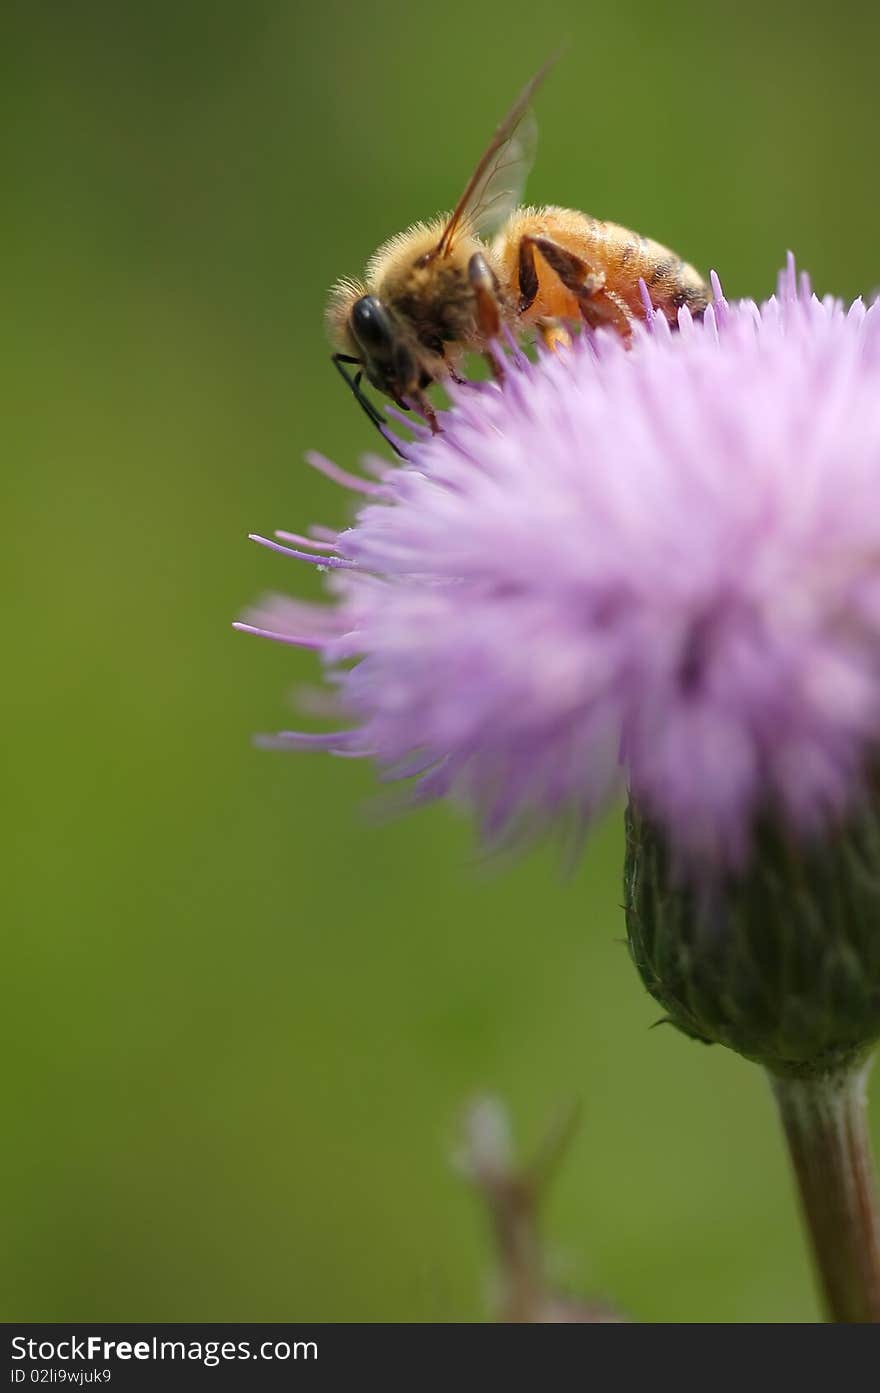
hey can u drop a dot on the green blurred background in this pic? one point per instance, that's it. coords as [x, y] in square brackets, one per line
[240, 1016]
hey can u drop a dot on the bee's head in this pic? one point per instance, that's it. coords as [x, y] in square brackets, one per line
[389, 362]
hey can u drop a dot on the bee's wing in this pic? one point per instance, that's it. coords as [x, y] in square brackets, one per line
[496, 185]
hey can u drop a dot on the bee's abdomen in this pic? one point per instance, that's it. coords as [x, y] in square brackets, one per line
[623, 256]
[627, 258]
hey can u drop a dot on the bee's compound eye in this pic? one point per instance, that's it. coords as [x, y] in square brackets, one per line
[371, 326]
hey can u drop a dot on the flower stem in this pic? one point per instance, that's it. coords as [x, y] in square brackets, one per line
[826, 1129]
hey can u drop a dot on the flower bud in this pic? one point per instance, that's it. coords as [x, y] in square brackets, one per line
[779, 961]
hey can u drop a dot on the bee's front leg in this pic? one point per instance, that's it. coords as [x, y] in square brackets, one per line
[455, 376]
[487, 294]
[419, 403]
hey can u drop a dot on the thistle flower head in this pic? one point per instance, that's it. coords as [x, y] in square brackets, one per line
[655, 568]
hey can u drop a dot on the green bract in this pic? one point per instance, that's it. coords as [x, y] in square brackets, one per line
[780, 962]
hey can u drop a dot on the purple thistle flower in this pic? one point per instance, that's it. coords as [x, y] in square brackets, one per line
[656, 568]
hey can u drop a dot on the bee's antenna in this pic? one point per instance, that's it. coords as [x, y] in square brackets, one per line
[354, 383]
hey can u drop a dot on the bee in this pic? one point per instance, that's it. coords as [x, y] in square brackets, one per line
[451, 286]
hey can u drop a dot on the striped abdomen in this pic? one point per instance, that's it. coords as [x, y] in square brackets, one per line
[622, 255]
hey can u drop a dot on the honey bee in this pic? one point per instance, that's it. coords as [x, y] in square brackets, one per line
[443, 288]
